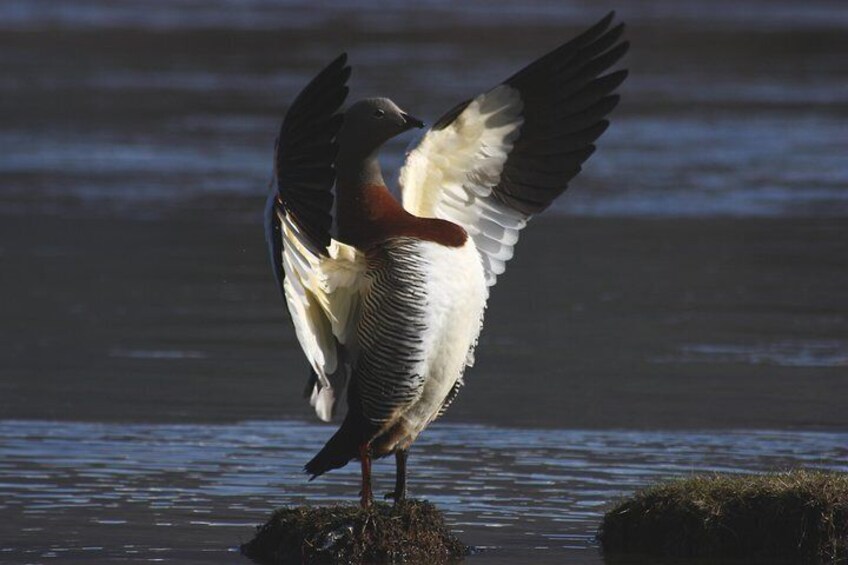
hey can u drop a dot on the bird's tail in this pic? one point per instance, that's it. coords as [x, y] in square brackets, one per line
[339, 450]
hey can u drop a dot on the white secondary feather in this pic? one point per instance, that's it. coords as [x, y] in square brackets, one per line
[451, 174]
[323, 296]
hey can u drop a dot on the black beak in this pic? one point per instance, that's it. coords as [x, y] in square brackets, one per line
[411, 122]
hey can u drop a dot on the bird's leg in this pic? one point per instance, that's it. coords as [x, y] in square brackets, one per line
[365, 458]
[400, 475]
[399, 493]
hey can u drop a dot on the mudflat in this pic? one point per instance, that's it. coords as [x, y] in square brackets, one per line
[598, 323]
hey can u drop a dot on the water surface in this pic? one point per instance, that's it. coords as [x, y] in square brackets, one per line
[692, 281]
[731, 109]
[91, 492]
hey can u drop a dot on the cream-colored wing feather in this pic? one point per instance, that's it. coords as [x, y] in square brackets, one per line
[320, 278]
[452, 173]
[323, 295]
[493, 161]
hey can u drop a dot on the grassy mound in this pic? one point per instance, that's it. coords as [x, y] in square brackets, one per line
[412, 531]
[801, 516]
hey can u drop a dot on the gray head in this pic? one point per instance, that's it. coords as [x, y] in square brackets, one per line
[369, 123]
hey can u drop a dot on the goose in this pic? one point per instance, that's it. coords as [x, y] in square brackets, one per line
[387, 298]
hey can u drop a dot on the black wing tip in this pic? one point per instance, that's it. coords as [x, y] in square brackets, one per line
[601, 32]
[601, 25]
[593, 52]
[308, 138]
[344, 90]
[594, 35]
[610, 101]
[616, 51]
[614, 79]
[340, 62]
[614, 55]
[618, 30]
[337, 68]
[345, 68]
[345, 76]
[620, 74]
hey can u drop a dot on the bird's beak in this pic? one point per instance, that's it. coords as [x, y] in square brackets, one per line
[411, 122]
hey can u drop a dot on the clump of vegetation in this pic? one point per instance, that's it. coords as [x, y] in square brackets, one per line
[799, 516]
[411, 531]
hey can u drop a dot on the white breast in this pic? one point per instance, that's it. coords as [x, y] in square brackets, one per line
[456, 298]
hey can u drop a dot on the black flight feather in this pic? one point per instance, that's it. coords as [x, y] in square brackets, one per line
[306, 150]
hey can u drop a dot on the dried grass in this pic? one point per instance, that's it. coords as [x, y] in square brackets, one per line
[798, 516]
[413, 531]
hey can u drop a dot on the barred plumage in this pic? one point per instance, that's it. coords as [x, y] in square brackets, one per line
[390, 369]
[409, 314]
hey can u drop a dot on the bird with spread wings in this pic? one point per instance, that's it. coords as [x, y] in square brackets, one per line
[387, 300]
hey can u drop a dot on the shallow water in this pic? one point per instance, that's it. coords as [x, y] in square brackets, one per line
[92, 491]
[693, 277]
[135, 107]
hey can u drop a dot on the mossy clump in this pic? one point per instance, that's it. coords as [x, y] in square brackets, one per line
[411, 531]
[799, 516]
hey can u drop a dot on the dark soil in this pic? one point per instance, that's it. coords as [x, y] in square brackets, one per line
[412, 531]
[801, 516]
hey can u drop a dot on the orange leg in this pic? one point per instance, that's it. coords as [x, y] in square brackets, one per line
[365, 457]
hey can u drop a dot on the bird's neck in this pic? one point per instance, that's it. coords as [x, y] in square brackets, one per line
[364, 202]
[368, 214]
[356, 169]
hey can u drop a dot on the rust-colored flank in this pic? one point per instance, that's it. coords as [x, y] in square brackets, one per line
[369, 215]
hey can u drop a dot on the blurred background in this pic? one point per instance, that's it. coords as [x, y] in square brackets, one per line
[692, 278]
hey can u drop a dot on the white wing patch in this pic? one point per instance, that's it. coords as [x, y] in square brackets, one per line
[323, 297]
[452, 172]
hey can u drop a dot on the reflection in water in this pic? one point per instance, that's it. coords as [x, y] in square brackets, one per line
[173, 491]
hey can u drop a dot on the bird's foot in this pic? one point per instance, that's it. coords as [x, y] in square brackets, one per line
[399, 498]
[365, 499]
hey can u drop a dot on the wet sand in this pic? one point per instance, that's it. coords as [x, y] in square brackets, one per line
[598, 323]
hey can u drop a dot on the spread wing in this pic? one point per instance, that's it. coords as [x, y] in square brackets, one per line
[319, 277]
[495, 160]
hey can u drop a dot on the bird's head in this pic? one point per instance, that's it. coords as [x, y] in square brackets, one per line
[371, 122]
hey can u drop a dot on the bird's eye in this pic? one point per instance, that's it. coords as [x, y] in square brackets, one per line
[379, 113]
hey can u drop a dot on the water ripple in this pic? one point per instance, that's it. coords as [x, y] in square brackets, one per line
[101, 485]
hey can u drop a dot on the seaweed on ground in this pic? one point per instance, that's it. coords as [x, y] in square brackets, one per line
[412, 531]
[799, 516]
